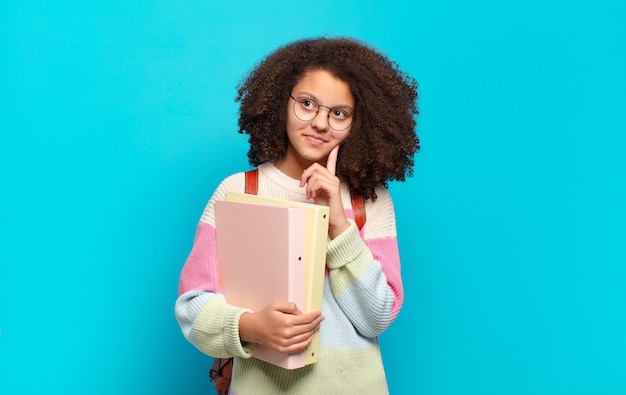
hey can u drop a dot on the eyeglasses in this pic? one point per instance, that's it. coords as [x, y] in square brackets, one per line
[305, 109]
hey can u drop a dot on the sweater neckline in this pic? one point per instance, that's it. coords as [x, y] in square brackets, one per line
[281, 179]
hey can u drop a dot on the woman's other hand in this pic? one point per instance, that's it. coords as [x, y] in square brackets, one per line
[280, 326]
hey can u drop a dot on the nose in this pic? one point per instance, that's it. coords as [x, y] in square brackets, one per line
[320, 121]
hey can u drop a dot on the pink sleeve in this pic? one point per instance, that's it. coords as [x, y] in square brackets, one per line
[385, 251]
[200, 270]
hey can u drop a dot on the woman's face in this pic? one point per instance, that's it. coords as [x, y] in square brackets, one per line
[311, 141]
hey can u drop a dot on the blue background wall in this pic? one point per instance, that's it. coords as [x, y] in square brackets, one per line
[118, 121]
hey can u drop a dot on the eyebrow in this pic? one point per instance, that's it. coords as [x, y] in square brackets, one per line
[312, 96]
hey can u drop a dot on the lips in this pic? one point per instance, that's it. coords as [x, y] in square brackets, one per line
[315, 140]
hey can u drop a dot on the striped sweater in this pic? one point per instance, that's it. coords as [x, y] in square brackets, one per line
[361, 298]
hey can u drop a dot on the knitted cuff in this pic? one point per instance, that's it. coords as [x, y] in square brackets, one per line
[231, 336]
[344, 248]
[217, 330]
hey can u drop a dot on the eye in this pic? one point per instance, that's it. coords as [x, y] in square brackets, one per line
[340, 113]
[308, 104]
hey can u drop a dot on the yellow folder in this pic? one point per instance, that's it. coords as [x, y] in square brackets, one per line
[316, 218]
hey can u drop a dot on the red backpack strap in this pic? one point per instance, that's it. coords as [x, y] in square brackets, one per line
[358, 207]
[252, 182]
[221, 374]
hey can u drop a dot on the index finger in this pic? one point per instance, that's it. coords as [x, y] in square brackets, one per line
[331, 162]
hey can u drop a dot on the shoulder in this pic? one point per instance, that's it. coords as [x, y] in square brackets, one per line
[380, 218]
[383, 200]
[234, 182]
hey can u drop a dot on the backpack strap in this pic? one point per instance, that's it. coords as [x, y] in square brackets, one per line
[252, 182]
[358, 203]
[358, 207]
[221, 374]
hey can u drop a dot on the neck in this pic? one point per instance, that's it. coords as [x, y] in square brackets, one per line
[293, 164]
[290, 167]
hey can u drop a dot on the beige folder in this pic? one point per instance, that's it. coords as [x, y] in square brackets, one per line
[316, 234]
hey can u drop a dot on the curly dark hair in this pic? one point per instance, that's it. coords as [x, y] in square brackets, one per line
[382, 141]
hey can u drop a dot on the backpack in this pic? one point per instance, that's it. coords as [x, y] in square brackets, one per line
[222, 369]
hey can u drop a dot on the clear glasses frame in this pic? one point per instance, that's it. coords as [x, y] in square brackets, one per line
[306, 115]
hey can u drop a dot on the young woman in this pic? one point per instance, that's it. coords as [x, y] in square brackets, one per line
[327, 118]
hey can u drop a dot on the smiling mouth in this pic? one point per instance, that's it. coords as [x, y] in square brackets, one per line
[314, 139]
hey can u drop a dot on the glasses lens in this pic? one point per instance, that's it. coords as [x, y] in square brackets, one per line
[339, 118]
[305, 109]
